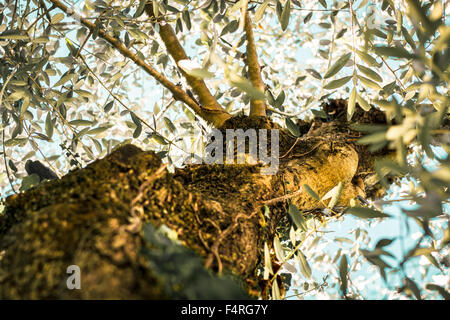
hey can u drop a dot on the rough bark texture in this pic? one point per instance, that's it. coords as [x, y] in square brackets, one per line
[93, 217]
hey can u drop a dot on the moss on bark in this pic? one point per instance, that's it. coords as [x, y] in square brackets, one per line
[93, 217]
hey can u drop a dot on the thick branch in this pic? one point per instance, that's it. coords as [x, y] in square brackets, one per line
[94, 217]
[178, 93]
[208, 102]
[257, 106]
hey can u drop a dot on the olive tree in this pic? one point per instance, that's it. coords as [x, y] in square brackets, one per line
[106, 108]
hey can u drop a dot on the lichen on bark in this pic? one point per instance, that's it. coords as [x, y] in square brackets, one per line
[93, 217]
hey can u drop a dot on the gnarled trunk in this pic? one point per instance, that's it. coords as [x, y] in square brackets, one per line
[93, 217]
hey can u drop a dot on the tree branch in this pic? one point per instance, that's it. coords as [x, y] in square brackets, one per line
[178, 93]
[46, 11]
[257, 106]
[208, 102]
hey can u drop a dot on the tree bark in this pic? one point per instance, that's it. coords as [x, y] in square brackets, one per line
[210, 109]
[93, 217]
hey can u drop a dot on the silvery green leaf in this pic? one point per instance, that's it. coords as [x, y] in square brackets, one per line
[275, 290]
[366, 213]
[279, 251]
[285, 15]
[304, 265]
[267, 262]
[292, 127]
[260, 11]
[337, 66]
[337, 83]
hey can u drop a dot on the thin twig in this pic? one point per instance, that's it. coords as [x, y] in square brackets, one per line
[289, 114]
[222, 236]
[290, 149]
[294, 251]
[143, 186]
[382, 58]
[13, 19]
[46, 11]
[322, 285]
[126, 107]
[282, 198]
[353, 36]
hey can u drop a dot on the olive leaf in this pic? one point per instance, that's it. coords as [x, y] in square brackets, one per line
[337, 66]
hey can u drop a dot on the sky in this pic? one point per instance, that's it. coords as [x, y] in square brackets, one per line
[389, 228]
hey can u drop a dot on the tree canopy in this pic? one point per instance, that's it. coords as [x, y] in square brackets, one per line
[80, 78]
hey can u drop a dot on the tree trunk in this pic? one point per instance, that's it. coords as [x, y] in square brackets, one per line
[94, 217]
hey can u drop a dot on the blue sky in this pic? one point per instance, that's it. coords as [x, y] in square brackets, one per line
[389, 228]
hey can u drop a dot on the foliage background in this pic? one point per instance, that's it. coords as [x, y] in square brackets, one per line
[67, 100]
